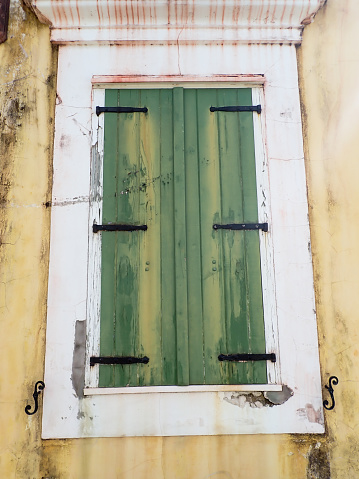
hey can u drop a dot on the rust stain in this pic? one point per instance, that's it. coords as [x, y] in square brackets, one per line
[78, 11]
[284, 11]
[185, 13]
[235, 13]
[274, 11]
[260, 14]
[249, 17]
[212, 12]
[62, 11]
[126, 12]
[223, 11]
[132, 13]
[99, 15]
[144, 13]
[54, 12]
[118, 11]
[109, 13]
[292, 13]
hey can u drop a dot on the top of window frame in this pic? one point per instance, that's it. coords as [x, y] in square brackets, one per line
[117, 21]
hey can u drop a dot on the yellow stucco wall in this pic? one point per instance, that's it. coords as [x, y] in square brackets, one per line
[329, 69]
[329, 63]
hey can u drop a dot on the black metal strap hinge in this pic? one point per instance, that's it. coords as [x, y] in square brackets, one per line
[118, 360]
[242, 226]
[257, 108]
[113, 227]
[248, 357]
[119, 109]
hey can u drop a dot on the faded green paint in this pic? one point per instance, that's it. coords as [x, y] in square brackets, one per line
[180, 293]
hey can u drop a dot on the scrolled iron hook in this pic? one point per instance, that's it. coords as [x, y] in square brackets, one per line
[39, 386]
[332, 380]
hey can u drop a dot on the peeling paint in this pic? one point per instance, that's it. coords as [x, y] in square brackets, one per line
[258, 399]
[312, 414]
[242, 399]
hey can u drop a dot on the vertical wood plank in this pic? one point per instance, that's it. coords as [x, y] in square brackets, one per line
[180, 239]
[232, 241]
[149, 333]
[167, 241]
[257, 372]
[194, 251]
[108, 243]
[128, 243]
[210, 209]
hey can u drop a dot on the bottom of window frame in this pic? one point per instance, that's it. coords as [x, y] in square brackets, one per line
[184, 389]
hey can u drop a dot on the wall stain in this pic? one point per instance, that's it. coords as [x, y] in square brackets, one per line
[318, 462]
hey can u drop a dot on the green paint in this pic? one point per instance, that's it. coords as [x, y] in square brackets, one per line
[180, 293]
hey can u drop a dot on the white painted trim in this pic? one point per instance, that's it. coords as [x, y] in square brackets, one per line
[118, 21]
[94, 259]
[179, 35]
[266, 239]
[69, 300]
[185, 389]
[170, 81]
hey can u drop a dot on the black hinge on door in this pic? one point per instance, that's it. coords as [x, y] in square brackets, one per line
[257, 108]
[242, 226]
[116, 227]
[119, 109]
[248, 357]
[118, 360]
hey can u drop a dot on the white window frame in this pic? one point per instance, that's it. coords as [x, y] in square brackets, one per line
[74, 289]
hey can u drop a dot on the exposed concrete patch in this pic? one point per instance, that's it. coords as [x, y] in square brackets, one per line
[253, 399]
[279, 397]
[78, 359]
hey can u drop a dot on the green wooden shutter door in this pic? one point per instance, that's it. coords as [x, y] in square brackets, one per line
[138, 283]
[180, 293]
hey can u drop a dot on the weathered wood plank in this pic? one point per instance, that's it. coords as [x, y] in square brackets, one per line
[167, 241]
[180, 238]
[194, 252]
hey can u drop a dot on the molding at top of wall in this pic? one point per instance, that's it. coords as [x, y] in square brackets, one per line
[185, 21]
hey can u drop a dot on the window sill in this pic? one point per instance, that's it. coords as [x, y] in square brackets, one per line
[184, 389]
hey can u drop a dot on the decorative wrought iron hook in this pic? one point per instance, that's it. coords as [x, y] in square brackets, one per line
[332, 380]
[39, 386]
